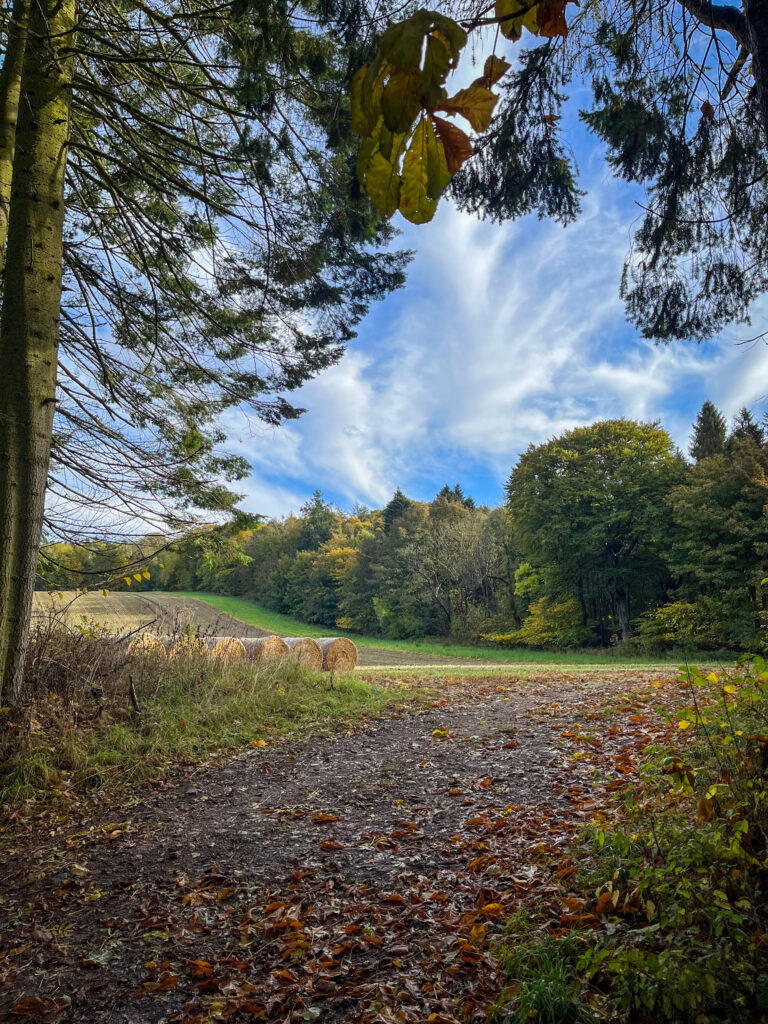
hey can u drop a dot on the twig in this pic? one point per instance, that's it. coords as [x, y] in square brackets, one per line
[134, 698]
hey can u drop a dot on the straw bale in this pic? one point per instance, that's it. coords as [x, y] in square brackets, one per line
[339, 654]
[306, 651]
[228, 648]
[264, 648]
[146, 643]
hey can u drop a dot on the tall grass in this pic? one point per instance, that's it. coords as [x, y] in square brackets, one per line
[97, 720]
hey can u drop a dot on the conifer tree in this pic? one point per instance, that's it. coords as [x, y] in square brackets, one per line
[709, 433]
[182, 237]
[746, 426]
[396, 506]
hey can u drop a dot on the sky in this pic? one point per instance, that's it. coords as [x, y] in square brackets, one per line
[504, 335]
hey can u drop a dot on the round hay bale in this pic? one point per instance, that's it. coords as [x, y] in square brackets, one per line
[264, 648]
[306, 651]
[146, 643]
[339, 654]
[188, 647]
[228, 648]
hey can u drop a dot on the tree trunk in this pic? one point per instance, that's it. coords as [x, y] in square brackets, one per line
[621, 611]
[10, 84]
[756, 16]
[29, 322]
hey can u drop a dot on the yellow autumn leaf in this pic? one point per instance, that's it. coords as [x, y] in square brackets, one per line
[361, 118]
[476, 103]
[683, 725]
[712, 677]
[415, 204]
[145, 574]
[400, 100]
[438, 174]
[493, 70]
[137, 577]
[127, 580]
[512, 26]
[382, 182]
[729, 689]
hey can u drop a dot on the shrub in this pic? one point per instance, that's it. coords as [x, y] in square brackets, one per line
[678, 879]
[549, 624]
[679, 624]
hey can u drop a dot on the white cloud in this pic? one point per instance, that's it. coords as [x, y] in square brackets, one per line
[504, 335]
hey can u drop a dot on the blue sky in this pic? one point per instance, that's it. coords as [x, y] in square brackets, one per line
[504, 335]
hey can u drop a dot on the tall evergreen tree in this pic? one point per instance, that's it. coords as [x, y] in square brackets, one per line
[709, 433]
[455, 494]
[318, 520]
[394, 508]
[181, 173]
[746, 426]
[718, 547]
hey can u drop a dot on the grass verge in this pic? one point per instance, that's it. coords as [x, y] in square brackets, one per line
[255, 615]
[66, 745]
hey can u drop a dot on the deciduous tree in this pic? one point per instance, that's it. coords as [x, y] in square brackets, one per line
[588, 507]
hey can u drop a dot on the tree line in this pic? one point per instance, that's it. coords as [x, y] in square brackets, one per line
[608, 535]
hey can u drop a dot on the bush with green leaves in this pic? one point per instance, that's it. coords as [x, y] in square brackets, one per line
[550, 624]
[681, 877]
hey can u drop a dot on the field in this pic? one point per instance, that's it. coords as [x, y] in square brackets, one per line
[126, 613]
[231, 616]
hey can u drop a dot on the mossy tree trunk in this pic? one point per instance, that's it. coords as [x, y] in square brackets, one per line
[29, 320]
[10, 85]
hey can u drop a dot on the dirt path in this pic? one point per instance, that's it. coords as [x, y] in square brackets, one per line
[346, 880]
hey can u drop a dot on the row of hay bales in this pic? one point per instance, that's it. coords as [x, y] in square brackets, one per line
[332, 654]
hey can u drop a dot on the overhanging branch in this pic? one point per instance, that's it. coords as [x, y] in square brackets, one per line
[726, 19]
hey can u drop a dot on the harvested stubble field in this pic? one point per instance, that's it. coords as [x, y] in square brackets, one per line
[152, 613]
[162, 613]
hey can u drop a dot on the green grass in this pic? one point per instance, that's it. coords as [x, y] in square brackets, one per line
[190, 710]
[255, 615]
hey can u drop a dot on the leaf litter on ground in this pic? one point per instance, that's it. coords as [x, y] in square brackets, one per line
[358, 877]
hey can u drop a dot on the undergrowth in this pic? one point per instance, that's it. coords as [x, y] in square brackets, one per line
[668, 910]
[99, 720]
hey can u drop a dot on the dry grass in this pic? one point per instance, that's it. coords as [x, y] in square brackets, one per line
[98, 719]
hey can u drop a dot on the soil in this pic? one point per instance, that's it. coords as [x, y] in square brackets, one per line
[362, 877]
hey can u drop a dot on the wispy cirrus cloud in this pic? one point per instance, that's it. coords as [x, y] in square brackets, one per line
[504, 335]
